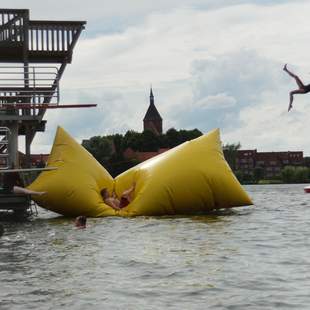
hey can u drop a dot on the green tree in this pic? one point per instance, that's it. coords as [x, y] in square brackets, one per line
[258, 174]
[99, 147]
[239, 175]
[288, 174]
[186, 135]
[132, 139]
[301, 174]
[231, 153]
[117, 141]
[172, 137]
[149, 141]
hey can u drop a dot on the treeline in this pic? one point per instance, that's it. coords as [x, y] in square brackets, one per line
[109, 150]
[289, 174]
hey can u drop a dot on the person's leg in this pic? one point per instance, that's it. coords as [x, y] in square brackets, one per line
[297, 79]
[25, 191]
[292, 93]
[128, 193]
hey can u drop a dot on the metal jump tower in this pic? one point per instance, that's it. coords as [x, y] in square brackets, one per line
[35, 54]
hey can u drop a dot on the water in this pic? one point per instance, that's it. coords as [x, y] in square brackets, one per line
[248, 258]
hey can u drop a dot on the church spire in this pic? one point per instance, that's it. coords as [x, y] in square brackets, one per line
[151, 96]
[152, 119]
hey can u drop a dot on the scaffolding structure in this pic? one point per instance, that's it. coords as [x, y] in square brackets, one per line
[33, 57]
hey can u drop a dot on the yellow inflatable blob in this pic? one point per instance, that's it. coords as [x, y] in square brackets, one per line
[191, 178]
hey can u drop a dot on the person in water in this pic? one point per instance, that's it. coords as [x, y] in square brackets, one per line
[114, 202]
[13, 184]
[302, 88]
[80, 221]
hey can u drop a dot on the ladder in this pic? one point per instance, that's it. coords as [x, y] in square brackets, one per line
[4, 150]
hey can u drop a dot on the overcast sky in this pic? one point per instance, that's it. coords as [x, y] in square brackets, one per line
[212, 63]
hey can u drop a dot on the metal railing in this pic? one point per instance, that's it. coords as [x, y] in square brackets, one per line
[32, 84]
[11, 25]
[42, 36]
[52, 36]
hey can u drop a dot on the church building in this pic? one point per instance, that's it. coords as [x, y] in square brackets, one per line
[152, 119]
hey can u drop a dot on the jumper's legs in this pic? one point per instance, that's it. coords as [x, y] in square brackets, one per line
[292, 93]
[297, 79]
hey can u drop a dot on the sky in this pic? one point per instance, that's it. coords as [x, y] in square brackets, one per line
[211, 64]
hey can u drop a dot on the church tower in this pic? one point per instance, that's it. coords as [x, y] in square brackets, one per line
[152, 119]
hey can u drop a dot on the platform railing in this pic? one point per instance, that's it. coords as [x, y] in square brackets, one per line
[33, 85]
[11, 25]
[43, 36]
[53, 36]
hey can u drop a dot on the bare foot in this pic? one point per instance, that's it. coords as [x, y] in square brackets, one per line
[289, 107]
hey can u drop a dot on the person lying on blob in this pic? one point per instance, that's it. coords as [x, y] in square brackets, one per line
[114, 202]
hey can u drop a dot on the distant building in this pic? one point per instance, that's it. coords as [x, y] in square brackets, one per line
[152, 119]
[271, 162]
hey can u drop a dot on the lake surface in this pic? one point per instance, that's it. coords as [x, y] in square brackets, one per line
[249, 258]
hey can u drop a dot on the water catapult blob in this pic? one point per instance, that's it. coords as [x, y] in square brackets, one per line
[191, 178]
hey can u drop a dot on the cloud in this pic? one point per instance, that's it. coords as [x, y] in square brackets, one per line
[218, 101]
[111, 12]
[211, 64]
[222, 87]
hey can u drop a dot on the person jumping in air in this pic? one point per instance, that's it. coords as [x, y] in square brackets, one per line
[302, 88]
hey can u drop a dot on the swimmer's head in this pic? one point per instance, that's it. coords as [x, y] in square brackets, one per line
[80, 221]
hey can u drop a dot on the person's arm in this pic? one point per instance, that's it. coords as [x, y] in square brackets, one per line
[128, 193]
[130, 190]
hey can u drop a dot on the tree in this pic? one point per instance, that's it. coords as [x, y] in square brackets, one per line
[258, 174]
[301, 174]
[288, 174]
[132, 140]
[149, 141]
[172, 137]
[231, 153]
[239, 175]
[117, 141]
[186, 135]
[99, 147]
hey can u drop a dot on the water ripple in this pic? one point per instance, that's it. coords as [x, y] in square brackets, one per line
[245, 258]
